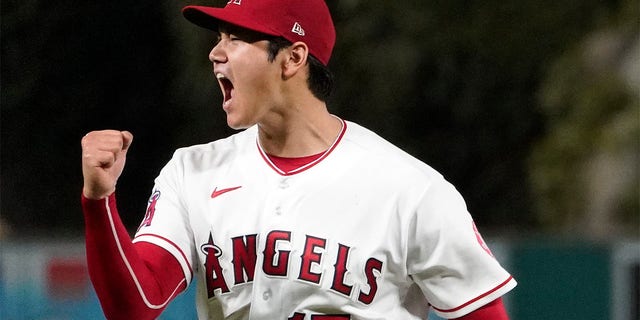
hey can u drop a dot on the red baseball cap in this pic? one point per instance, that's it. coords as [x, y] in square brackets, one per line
[308, 21]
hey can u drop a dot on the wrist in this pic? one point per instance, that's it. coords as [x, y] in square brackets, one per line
[96, 195]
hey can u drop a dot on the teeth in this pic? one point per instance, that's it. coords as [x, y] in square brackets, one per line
[220, 76]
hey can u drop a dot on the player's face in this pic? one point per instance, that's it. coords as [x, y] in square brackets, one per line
[248, 80]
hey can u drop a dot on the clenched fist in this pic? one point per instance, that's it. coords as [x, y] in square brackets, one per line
[103, 156]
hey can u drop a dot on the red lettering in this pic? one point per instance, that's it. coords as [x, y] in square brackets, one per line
[276, 261]
[270, 266]
[309, 257]
[371, 265]
[214, 276]
[341, 269]
[244, 258]
[297, 316]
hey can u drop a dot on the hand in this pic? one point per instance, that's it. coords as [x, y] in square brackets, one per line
[103, 156]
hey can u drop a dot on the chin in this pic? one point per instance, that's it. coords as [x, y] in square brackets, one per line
[237, 125]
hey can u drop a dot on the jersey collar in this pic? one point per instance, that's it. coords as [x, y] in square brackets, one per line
[308, 165]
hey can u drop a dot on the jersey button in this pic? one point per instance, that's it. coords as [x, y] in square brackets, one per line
[278, 210]
[283, 184]
[266, 295]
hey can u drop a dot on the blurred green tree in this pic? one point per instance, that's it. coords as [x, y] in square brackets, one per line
[584, 171]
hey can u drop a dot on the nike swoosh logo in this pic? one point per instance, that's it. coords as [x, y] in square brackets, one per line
[217, 192]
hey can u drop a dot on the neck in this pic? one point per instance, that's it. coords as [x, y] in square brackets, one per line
[301, 131]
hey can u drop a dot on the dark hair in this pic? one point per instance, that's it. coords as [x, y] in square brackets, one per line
[320, 79]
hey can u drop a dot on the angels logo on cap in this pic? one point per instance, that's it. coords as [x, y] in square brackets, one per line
[283, 18]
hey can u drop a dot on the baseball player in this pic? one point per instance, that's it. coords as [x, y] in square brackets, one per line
[300, 215]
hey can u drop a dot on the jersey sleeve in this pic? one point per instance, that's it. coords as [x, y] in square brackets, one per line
[447, 257]
[166, 221]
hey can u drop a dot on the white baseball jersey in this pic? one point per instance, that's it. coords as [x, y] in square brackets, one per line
[364, 232]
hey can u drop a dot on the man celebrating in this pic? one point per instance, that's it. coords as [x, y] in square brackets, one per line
[301, 215]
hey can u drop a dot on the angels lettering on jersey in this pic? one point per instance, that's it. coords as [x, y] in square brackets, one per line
[277, 262]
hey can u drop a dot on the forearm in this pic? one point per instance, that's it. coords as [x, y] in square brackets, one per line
[126, 276]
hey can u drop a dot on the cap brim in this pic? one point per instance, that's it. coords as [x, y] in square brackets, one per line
[210, 18]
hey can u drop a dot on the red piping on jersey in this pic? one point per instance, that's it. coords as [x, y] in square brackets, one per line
[475, 299]
[128, 265]
[307, 166]
[172, 244]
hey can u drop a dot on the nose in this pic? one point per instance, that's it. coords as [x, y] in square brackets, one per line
[217, 54]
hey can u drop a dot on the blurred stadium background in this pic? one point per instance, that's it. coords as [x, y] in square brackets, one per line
[531, 108]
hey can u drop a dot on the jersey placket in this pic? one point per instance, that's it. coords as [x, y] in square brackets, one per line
[268, 290]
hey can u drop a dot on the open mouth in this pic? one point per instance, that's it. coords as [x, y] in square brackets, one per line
[227, 88]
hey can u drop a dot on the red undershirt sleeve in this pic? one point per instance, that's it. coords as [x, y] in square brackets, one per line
[132, 281]
[491, 311]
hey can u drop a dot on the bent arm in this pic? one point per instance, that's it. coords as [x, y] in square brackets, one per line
[132, 281]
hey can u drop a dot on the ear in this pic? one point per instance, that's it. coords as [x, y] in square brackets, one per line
[296, 59]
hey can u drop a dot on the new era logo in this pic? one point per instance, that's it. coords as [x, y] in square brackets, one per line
[297, 29]
[234, 2]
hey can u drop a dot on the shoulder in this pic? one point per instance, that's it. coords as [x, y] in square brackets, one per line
[379, 152]
[419, 188]
[215, 152]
